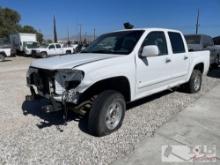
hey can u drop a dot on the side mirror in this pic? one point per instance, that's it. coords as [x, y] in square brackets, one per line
[150, 51]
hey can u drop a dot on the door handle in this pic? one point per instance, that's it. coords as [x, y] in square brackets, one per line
[185, 57]
[168, 60]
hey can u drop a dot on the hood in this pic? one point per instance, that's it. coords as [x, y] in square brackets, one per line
[69, 61]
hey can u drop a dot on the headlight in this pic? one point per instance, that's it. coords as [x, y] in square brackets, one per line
[69, 79]
[29, 72]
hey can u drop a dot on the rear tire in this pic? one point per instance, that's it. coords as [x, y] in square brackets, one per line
[2, 57]
[195, 82]
[107, 113]
[68, 52]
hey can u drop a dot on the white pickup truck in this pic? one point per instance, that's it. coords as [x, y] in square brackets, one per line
[5, 52]
[51, 50]
[117, 68]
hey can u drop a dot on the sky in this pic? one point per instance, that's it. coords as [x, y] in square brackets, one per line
[109, 15]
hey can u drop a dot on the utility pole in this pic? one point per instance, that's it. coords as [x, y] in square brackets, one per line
[197, 23]
[85, 38]
[80, 33]
[54, 29]
[94, 31]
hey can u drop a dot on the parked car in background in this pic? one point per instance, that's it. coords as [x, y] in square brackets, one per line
[117, 68]
[5, 52]
[51, 50]
[20, 40]
[204, 42]
[216, 40]
[70, 46]
[29, 46]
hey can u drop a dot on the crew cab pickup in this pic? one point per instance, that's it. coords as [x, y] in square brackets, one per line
[204, 42]
[117, 68]
[51, 50]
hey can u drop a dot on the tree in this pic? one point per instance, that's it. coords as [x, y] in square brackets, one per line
[9, 21]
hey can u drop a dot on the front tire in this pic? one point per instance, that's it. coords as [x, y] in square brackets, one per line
[107, 113]
[43, 54]
[195, 82]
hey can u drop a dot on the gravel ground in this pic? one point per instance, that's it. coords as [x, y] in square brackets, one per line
[29, 136]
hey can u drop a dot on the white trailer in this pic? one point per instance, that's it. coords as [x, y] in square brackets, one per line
[19, 40]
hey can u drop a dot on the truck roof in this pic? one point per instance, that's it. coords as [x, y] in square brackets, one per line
[151, 29]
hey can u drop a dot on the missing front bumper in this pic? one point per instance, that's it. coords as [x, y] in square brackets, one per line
[55, 103]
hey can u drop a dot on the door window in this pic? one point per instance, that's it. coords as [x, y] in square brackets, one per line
[176, 42]
[158, 39]
[51, 47]
[58, 46]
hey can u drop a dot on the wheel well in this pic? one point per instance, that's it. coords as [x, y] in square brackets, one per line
[43, 52]
[199, 67]
[120, 84]
[68, 51]
[3, 53]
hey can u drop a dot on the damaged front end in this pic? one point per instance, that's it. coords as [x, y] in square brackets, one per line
[58, 86]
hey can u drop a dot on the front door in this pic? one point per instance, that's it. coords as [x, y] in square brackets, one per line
[153, 72]
[51, 50]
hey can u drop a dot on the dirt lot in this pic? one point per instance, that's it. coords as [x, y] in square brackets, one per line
[29, 136]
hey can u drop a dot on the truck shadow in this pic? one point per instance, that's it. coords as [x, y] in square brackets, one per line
[51, 119]
[215, 73]
[148, 99]
[6, 61]
[56, 118]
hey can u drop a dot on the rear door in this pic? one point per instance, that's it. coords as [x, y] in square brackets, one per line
[59, 50]
[51, 49]
[179, 56]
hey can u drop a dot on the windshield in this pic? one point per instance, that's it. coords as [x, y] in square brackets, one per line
[115, 43]
[193, 39]
[31, 45]
[44, 45]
